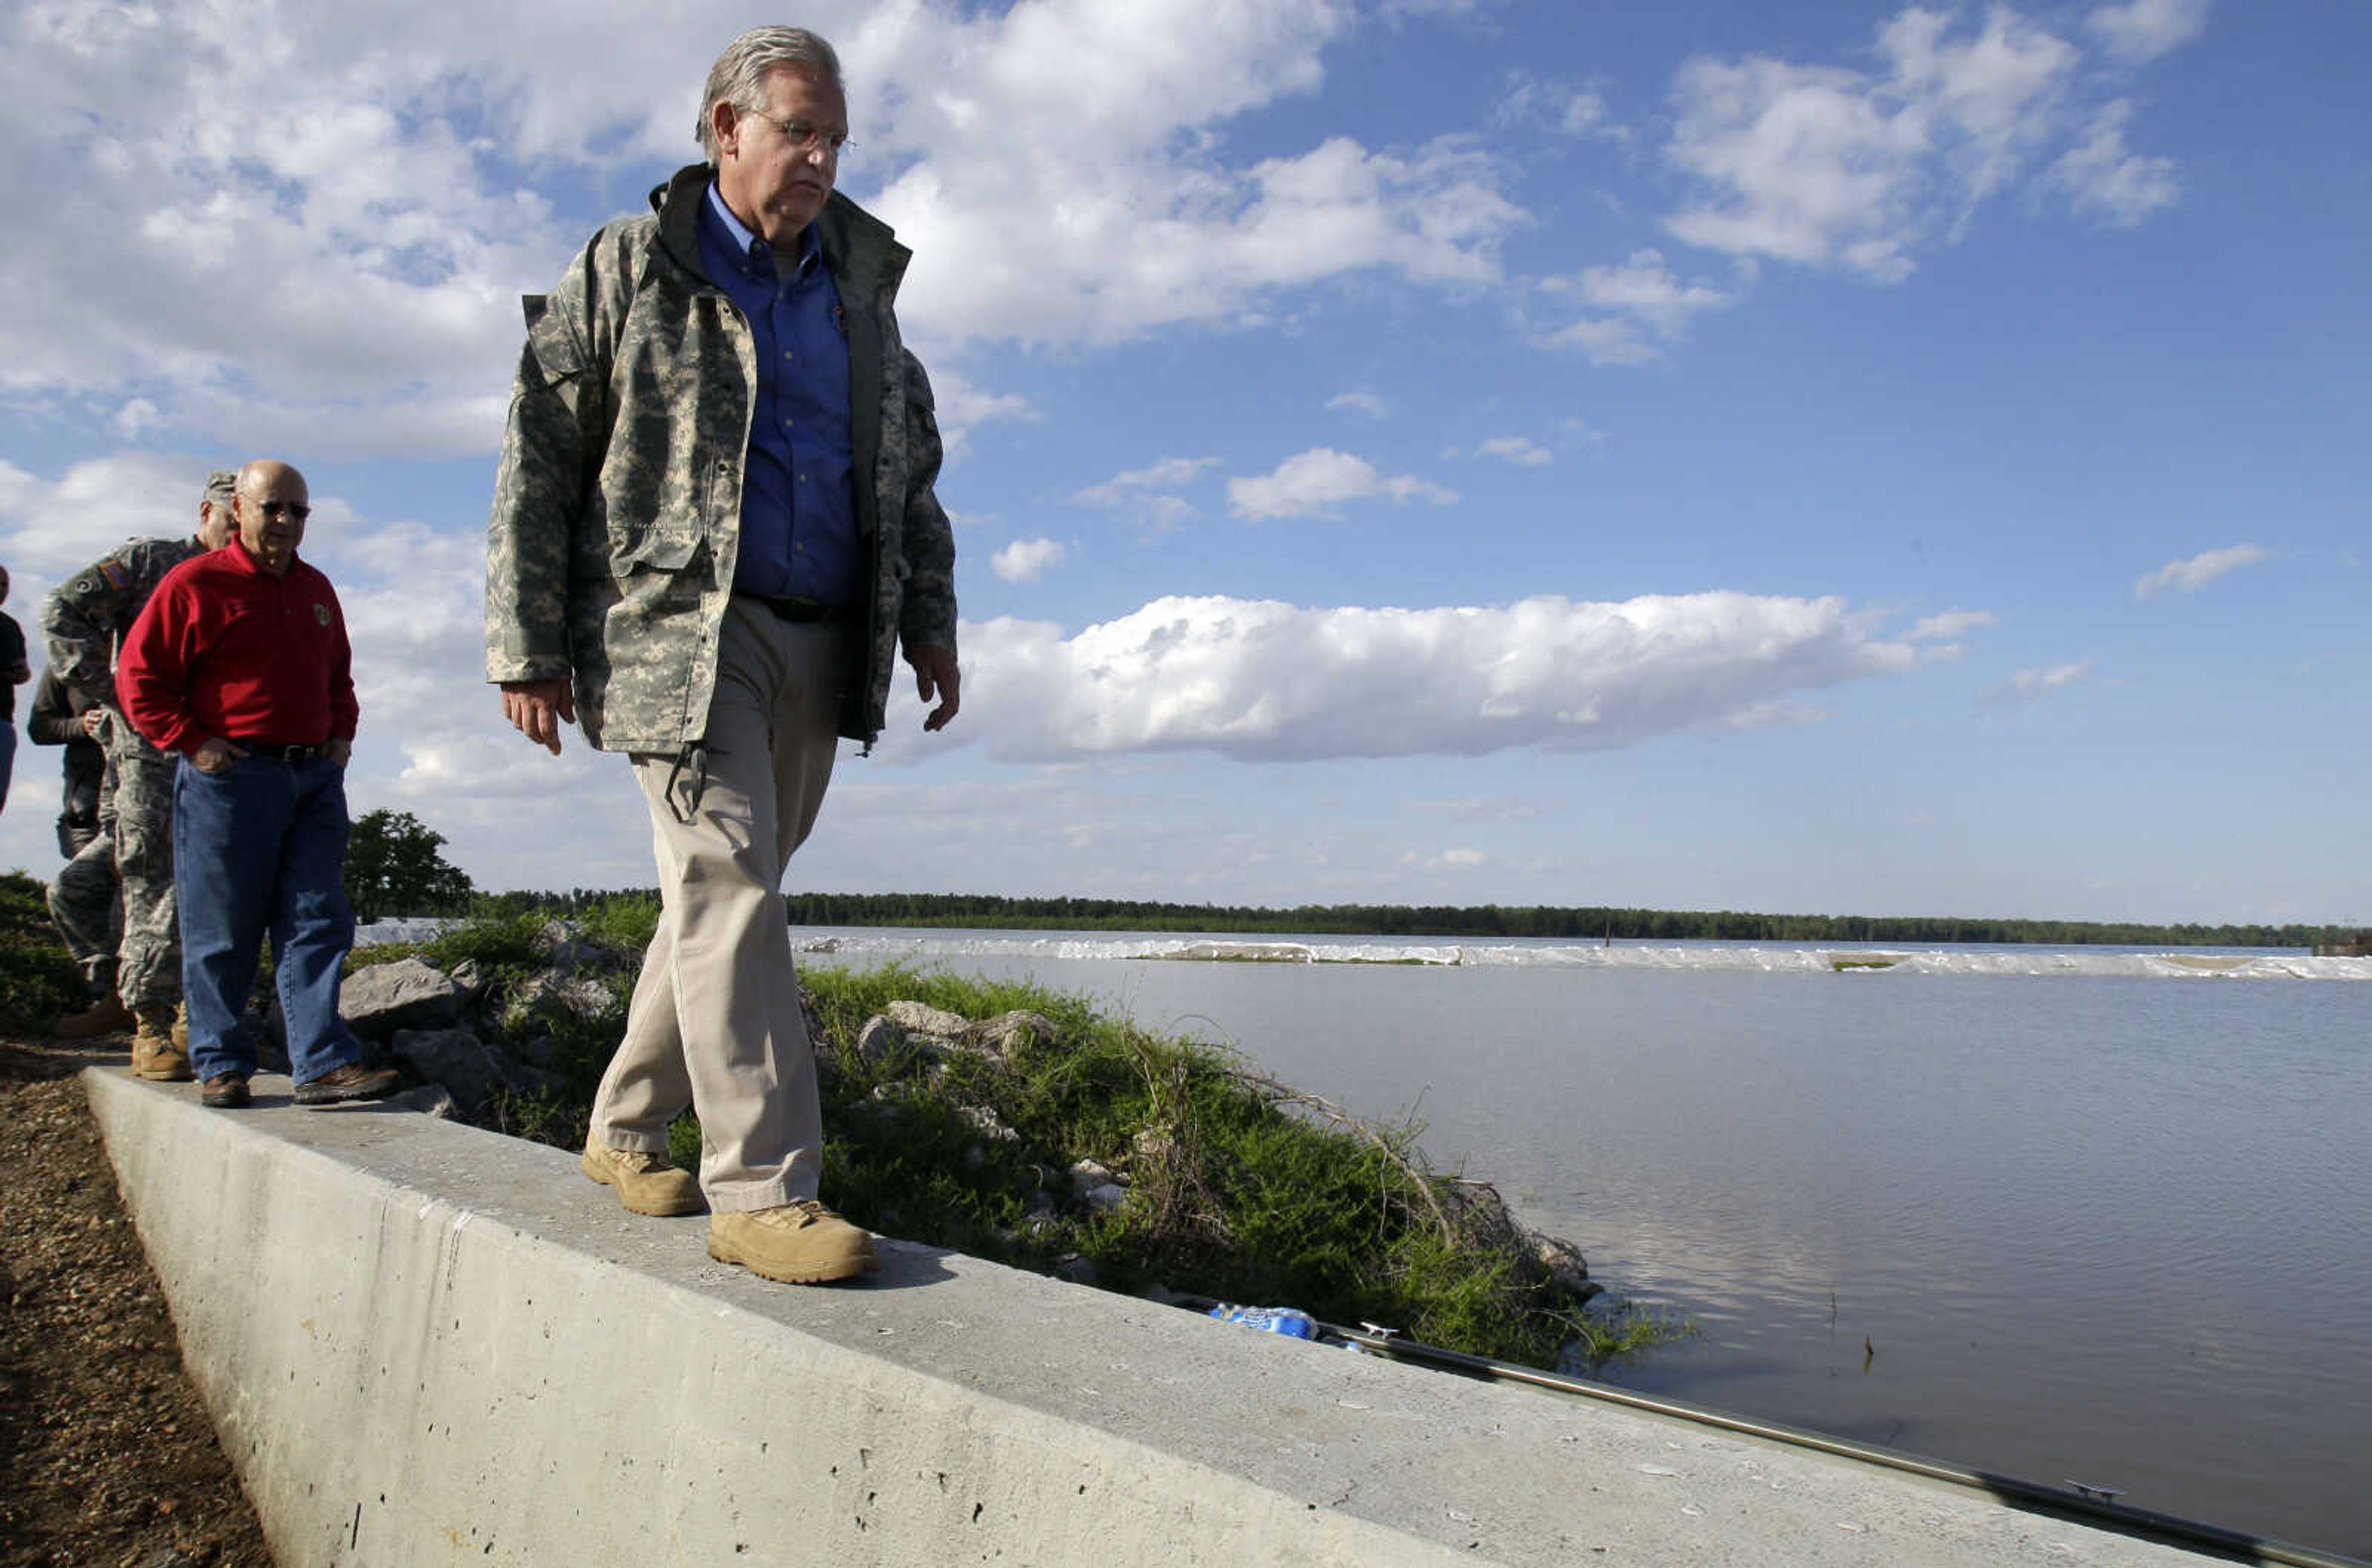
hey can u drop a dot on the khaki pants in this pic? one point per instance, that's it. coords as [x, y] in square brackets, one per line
[715, 1024]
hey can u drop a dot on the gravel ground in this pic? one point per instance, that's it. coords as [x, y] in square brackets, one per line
[107, 1458]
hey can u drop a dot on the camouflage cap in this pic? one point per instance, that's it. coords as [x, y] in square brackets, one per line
[220, 486]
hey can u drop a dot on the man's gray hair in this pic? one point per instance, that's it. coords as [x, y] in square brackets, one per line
[739, 77]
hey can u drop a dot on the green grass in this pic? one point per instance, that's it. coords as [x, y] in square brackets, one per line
[1240, 1188]
[38, 980]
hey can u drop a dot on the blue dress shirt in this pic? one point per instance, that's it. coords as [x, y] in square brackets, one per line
[798, 513]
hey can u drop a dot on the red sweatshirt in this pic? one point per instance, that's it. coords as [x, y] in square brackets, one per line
[225, 648]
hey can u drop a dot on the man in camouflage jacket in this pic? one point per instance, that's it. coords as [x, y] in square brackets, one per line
[82, 621]
[83, 898]
[622, 559]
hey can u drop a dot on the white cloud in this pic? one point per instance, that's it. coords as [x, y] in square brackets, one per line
[49, 529]
[1150, 493]
[1570, 109]
[1606, 341]
[1025, 560]
[328, 215]
[1166, 473]
[1446, 860]
[1518, 449]
[2195, 572]
[1261, 680]
[290, 299]
[962, 404]
[1650, 305]
[1948, 625]
[1858, 169]
[2033, 685]
[2105, 180]
[2141, 31]
[1093, 131]
[1367, 403]
[1316, 483]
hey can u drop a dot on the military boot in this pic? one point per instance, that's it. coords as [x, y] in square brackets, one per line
[154, 1054]
[182, 1028]
[103, 1016]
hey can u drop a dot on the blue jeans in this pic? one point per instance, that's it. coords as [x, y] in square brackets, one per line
[260, 850]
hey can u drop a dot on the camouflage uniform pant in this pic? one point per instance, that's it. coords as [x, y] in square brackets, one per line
[88, 908]
[150, 972]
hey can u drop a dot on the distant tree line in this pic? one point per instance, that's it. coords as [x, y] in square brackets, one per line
[1564, 923]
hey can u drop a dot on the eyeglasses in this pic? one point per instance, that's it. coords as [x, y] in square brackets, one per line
[294, 511]
[806, 138]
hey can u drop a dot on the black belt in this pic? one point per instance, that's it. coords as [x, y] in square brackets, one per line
[283, 753]
[800, 611]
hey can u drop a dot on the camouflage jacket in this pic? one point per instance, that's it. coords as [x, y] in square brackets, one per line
[85, 617]
[617, 512]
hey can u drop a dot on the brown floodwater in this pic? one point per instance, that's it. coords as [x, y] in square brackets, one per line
[2097, 1222]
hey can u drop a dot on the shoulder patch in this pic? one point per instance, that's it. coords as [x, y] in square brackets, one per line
[114, 573]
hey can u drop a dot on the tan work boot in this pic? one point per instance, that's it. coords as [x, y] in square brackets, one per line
[101, 1017]
[647, 1183]
[182, 1026]
[800, 1244]
[154, 1054]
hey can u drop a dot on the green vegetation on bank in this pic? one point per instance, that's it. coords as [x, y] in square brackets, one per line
[1238, 1187]
[1573, 924]
[37, 981]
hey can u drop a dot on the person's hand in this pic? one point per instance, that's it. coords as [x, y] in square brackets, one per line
[339, 750]
[935, 673]
[94, 721]
[538, 708]
[215, 756]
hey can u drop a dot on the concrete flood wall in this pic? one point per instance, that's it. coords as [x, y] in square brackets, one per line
[426, 1344]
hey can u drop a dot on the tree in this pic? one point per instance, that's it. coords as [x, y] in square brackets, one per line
[395, 865]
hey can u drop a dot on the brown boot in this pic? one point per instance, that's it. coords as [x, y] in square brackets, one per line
[154, 1054]
[181, 1027]
[647, 1183]
[354, 1081]
[101, 1017]
[802, 1243]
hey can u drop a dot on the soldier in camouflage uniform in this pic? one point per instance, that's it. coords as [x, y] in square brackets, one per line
[82, 619]
[713, 528]
[86, 903]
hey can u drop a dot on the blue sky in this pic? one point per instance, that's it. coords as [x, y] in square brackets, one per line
[1843, 458]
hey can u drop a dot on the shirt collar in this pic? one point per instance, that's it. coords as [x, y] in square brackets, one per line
[248, 560]
[745, 245]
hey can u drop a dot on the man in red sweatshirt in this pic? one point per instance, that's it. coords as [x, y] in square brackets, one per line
[241, 663]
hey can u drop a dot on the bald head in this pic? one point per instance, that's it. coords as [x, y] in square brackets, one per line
[272, 505]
